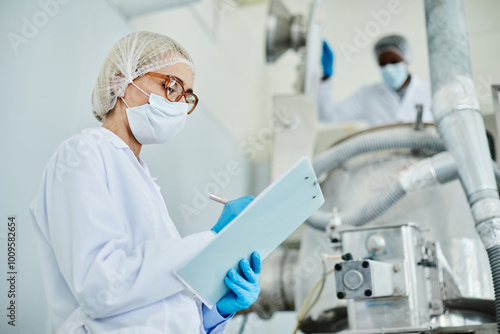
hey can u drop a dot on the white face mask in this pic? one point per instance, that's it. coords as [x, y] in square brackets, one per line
[158, 121]
[395, 75]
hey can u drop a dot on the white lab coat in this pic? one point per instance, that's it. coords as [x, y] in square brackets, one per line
[108, 247]
[377, 104]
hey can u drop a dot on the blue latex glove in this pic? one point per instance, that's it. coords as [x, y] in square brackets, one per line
[245, 288]
[327, 60]
[231, 210]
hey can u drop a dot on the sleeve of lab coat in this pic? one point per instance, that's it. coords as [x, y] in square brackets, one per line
[213, 322]
[348, 110]
[106, 272]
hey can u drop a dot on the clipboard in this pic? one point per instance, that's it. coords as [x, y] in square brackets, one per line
[262, 226]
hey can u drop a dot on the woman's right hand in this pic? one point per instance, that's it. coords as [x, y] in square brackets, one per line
[231, 210]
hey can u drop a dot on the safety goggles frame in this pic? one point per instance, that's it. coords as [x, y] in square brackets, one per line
[168, 79]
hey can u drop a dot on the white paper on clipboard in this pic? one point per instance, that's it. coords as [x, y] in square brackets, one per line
[262, 226]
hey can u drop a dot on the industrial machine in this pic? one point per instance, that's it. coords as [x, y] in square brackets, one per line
[408, 240]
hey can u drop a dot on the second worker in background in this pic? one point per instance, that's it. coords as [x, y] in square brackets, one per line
[391, 101]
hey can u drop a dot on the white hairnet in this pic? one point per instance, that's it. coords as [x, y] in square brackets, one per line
[395, 43]
[133, 56]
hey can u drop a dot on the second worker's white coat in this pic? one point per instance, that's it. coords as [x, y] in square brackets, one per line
[377, 104]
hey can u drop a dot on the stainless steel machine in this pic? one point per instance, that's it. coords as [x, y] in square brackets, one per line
[418, 264]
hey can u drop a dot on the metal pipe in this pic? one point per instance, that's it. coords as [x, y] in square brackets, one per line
[398, 138]
[459, 120]
[455, 105]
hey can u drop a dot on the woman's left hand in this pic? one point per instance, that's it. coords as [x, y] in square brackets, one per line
[244, 289]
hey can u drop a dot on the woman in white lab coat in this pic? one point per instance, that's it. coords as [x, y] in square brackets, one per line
[107, 244]
[392, 101]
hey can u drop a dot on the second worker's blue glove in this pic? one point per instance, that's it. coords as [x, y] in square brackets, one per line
[245, 288]
[231, 210]
[327, 60]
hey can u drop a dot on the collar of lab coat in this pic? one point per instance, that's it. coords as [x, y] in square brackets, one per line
[113, 138]
[120, 144]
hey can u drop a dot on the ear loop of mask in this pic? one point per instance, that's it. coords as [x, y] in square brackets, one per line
[139, 88]
[125, 102]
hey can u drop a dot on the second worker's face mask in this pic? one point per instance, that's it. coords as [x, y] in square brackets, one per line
[158, 121]
[395, 75]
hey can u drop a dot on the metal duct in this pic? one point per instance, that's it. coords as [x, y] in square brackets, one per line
[460, 123]
[455, 105]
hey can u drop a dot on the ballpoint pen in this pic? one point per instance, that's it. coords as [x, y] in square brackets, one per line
[218, 198]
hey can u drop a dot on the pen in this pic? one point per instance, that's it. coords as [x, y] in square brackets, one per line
[218, 198]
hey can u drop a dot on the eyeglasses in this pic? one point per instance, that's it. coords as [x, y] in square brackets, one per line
[174, 90]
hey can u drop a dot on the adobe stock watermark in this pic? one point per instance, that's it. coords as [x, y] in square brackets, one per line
[306, 268]
[224, 6]
[364, 36]
[482, 85]
[220, 180]
[30, 26]
[73, 152]
[283, 120]
[99, 303]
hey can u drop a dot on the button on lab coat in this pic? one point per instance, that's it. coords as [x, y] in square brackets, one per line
[108, 247]
[377, 104]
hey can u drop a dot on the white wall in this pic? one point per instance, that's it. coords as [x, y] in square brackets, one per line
[484, 39]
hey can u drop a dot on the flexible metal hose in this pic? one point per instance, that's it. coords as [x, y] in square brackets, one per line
[377, 141]
[494, 258]
[371, 142]
[497, 174]
[385, 200]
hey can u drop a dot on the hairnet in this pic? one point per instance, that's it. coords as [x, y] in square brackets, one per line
[395, 43]
[133, 56]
